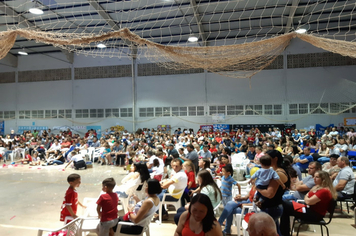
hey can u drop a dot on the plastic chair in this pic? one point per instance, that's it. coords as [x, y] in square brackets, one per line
[240, 217]
[216, 209]
[322, 223]
[72, 228]
[351, 200]
[176, 204]
[146, 228]
[352, 158]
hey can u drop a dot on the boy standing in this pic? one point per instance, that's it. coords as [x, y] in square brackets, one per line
[226, 184]
[107, 208]
[70, 202]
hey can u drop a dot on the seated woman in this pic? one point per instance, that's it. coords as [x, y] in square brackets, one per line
[204, 164]
[199, 219]
[139, 213]
[56, 158]
[317, 202]
[208, 187]
[133, 181]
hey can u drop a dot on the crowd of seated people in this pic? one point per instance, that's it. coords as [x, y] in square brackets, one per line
[211, 151]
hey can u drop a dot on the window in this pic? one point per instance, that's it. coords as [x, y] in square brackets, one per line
[175, 111]
[146, 112]
[257, 109]
[268, 110]
[249, 110]
[9, 114]
[353, 109]
[316, 109]
[179, 111]
[51, 114]
[213, 110]
[115, 112]
[335, 107]
[345, 106]
[183, 111]
[200, 111]
[37, 114]
[277, 109]
[96, 113]
[24, 114]
[196, 111]
[235, 110]
[1, 115]
[293, 109]
[126, 112]
[303, 108]
[217, 109]
[82, 113]
[65, 113]
[162, 111]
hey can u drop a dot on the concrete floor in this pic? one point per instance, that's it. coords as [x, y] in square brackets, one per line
[31, 198]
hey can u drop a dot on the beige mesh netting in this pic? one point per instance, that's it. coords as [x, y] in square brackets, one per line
[238, 61]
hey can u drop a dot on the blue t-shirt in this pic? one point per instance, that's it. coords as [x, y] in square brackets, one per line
[226, 186]
[306, 164]
[264, 176]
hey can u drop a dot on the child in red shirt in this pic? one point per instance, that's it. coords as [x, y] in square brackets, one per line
[189, 170]
[107, 208]
[70, 202]
[224, 160]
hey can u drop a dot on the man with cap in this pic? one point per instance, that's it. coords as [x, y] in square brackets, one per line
[171, 150]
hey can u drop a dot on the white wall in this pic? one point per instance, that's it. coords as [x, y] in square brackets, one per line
[283, 86]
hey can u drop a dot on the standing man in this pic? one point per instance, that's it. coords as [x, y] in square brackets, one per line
[192, 156]
[171, 150]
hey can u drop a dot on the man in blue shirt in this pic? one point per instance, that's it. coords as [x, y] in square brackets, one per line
[303, 161]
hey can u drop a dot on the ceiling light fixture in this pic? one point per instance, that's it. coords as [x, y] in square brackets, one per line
[192, 39]
[301, 31]
[36, 9]
[23, 53]
[101, 46]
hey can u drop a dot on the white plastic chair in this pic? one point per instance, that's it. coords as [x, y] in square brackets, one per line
[146, 228]
[239, 218]
[176, 204]
[72, 228]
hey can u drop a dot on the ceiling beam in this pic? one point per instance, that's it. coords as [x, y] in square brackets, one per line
[292, 11]
[197, 18]
[26, 24]
[101, 11]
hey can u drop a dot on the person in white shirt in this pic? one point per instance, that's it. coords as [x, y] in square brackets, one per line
[77, 162]
[55, 146]
[342, 146]
[334, 132]
[175, 184]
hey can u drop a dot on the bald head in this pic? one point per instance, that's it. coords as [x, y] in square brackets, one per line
[261, 224]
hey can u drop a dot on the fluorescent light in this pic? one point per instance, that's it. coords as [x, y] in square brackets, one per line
[301, 31]
[23, 53]
[36, 11]
[101, 45]
[193, 39]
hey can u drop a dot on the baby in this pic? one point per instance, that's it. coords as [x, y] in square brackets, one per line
[264, 176]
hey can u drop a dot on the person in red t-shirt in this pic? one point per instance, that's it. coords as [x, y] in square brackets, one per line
[317, 202]
[224, 160]
[107, 208]
[189, 170]
[70, 202]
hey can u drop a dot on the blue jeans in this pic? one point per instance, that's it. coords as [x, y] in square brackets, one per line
[230, 209]
[226, 199]
[288, 197]
[168, 198]
[6, 155]
[275, 213]
[57, 162]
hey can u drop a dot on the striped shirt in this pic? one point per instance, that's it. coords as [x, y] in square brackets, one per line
[226, 186]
